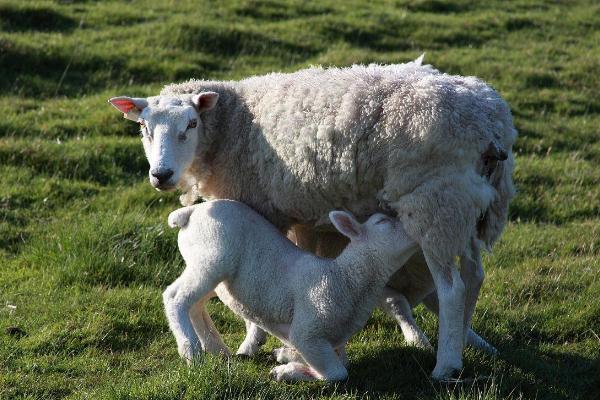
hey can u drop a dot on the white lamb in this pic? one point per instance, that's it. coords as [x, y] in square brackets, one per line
[431, 148]
[310, 303]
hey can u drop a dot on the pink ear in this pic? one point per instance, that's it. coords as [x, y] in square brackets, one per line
[130, 107]
[126, 104]
[205, 101]
[346, 224]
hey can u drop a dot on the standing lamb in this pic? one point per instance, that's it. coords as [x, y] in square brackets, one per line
[431, 148]
[308, 302]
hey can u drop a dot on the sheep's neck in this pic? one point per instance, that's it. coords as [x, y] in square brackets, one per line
[214, 144]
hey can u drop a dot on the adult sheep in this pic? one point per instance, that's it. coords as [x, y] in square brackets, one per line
[432, 148]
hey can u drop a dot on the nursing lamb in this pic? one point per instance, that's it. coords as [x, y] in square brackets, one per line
[431, 148]
[310, 303]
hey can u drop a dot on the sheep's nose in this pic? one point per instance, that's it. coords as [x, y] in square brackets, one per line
[162, 175]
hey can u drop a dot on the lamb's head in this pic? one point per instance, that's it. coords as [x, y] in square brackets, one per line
[171, 129]
[381, 234]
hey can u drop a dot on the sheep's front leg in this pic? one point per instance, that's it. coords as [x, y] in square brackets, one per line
[255, 338]
[451, 295]
[396, 305]
[473, 339]
[471, 272]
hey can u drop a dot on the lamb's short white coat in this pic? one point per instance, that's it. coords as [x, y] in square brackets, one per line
[405, 139]
[310, 303]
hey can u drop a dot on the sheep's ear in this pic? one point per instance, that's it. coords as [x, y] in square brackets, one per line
[131, 107]
[347, 225]
[205, 101]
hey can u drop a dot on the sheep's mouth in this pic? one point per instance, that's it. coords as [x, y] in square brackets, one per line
[165, 188]
[162, 187]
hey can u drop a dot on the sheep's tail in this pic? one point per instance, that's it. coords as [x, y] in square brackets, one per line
[180, 218]
[493, 221]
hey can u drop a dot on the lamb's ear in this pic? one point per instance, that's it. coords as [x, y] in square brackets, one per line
[131, 107]
[205, 101]
[419, 60]
[347, 225]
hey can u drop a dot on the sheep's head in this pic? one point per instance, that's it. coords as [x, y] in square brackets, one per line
[382, 234]
[170, 130]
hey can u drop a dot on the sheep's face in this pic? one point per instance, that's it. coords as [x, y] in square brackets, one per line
[170, 128]
[381, 233]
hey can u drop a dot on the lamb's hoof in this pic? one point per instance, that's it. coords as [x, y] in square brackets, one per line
[447, 372]
[189, 352]
[248, 350]
[292, 372]
[284, 355]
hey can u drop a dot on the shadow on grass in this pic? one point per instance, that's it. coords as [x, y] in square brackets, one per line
[27, 71]
[34, 19]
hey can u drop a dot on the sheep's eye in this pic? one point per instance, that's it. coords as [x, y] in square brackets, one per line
[192, 124]
[381, 221]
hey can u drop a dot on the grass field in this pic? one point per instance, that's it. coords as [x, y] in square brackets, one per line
[85, 251]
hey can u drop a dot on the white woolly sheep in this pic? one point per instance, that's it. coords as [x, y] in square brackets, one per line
[310, 303]
[431, 148]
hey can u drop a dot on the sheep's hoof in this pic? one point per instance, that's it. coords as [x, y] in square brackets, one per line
[443, 373]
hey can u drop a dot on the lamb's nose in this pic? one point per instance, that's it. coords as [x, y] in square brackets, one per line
[162, 175]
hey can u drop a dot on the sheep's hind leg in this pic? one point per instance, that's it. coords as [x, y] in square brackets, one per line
[451, 294]
[255, 338]
[396, 305]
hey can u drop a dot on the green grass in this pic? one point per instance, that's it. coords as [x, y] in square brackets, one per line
[85, 251]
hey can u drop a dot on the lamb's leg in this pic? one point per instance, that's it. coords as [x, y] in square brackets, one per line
[205, 329]
[323, 363]
[304, 238]
[395, 304]
[451, 294]
[473, 339]
[255, 338]
[285, 355]
[341, 352]
[178, 298]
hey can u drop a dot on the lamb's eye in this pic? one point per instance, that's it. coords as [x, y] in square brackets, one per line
[192, 124]
[382, 220]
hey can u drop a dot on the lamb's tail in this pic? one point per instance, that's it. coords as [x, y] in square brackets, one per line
[179, 218]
